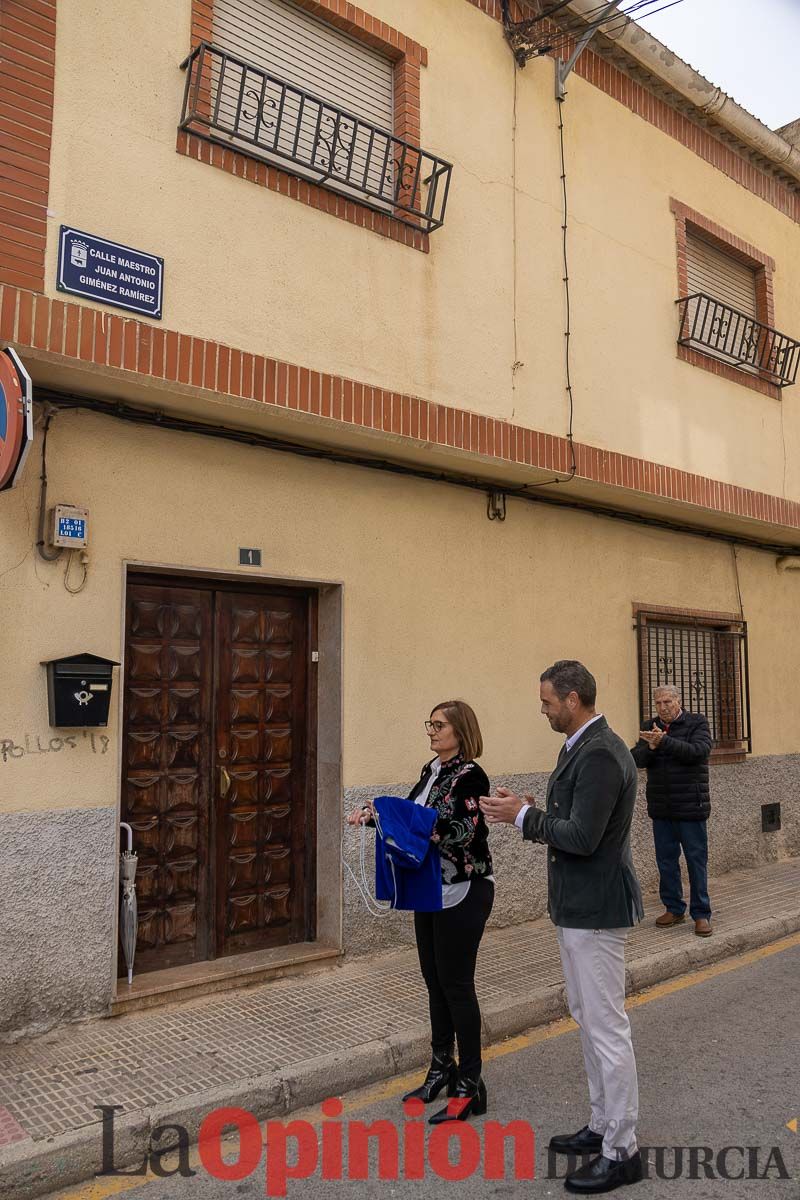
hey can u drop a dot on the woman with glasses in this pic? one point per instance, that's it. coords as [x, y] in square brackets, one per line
[448, 940]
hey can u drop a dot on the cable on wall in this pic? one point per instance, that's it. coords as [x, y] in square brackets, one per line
[166, 421]
[41, 548]
[567, 306]
[736, 577]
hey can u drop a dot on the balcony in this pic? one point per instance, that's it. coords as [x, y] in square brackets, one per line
[234, 104]
[740, 341]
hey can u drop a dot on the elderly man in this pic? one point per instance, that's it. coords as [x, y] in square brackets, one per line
[674, 749]
[593, 900]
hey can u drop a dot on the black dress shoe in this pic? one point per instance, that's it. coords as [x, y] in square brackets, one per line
[441, 1072]
[469, 1099]
[604, 1174]
[585, 1141]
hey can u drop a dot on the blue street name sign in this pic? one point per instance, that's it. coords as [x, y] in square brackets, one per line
[110, 273]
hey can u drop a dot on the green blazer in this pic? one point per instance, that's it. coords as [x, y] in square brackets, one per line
[591, 881]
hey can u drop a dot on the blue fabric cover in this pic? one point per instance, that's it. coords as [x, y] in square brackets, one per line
[408, 869]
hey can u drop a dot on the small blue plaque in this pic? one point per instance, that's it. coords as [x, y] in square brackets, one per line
[110, 273]
[72, 527]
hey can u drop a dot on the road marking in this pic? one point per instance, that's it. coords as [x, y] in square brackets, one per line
[389, 1089]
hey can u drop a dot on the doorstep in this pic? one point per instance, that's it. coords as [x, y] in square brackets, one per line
[174, 984]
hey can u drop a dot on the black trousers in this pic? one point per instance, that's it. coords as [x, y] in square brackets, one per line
[447, 943]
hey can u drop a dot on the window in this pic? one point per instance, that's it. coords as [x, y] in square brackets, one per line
[308, 53]
[718, 274]
[703, 655]
[336, 107]
[726, 308]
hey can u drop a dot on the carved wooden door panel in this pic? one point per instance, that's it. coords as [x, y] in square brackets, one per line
[261, 827]
[166, 768]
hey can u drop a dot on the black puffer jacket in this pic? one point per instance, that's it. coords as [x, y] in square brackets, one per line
[677, 771]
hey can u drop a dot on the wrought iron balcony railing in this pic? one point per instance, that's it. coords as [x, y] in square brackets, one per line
[737, 339]
[235, 104]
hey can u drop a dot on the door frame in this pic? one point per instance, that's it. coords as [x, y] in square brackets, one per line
[323, 788]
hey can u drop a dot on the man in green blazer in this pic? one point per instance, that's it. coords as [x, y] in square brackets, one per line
[593, 900]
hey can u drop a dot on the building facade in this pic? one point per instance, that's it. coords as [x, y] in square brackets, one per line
[353, 436]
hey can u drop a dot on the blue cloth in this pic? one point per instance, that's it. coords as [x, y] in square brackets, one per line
[408, 869]
[692, 837]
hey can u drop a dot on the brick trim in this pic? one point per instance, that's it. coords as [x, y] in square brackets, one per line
[641, 100]
[27, 52]
[408, 57]
[696, 614]
[79, 332]
[688, 220]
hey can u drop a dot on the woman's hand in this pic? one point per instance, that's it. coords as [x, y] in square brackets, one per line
[362, 814]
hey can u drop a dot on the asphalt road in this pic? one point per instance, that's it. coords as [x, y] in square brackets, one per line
[719, 1066]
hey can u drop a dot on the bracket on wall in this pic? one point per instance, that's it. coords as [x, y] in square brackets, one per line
[496, 506]
[563, 68]
[538, 35]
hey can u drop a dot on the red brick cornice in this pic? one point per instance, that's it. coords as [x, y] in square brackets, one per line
[28, 54]
[604, 75]
[78, 333]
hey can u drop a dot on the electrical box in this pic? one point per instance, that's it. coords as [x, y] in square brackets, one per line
[70, 526]
[771, 817]
[79, 690]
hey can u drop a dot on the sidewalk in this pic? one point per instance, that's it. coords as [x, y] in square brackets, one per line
[280, 1046]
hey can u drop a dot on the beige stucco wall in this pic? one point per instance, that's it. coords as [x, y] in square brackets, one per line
[438, 601]
[262, 272]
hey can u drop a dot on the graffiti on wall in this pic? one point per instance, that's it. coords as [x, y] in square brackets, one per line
[13, 749]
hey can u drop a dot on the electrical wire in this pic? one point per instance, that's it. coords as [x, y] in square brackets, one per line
[736, 577]
[166, 421]
[570, 27]
[47, 555]
[567, 307]
[616, 22]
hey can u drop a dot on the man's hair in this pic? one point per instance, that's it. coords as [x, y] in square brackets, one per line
[568, 675]
[669, 688]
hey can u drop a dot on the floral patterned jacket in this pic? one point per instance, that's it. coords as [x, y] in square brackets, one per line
[460, 831]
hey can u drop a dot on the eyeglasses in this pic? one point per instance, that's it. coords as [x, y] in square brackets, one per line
[436, 726]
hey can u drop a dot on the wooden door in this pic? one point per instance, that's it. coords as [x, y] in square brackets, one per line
[261, 820]
[216, 762]
[166, 768]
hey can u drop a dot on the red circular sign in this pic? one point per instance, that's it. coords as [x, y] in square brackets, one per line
[14, 420]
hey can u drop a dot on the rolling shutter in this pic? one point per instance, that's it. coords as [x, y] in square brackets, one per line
[299, 49]
[719, 275]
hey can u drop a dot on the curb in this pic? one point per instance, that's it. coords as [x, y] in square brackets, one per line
[29, 1170]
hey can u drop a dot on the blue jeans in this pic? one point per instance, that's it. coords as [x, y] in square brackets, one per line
[692, 837]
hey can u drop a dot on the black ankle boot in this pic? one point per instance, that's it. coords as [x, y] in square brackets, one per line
[442, 1071]
[469, 1099]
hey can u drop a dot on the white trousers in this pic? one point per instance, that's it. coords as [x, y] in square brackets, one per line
[594, 970]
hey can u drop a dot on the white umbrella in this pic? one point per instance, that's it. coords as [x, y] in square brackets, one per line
[129, 910]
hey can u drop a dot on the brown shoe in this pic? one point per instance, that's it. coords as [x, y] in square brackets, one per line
[702, 927]
[670, 918]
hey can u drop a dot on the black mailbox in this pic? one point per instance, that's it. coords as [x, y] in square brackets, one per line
[79, 690]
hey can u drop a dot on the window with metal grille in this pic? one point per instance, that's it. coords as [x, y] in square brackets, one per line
[706, 661]
[298, 93]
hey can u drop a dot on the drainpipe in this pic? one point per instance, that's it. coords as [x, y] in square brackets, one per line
[661, 62]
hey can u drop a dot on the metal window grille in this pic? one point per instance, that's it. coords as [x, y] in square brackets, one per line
[735, 338]
[707, 664]
[235, 104]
